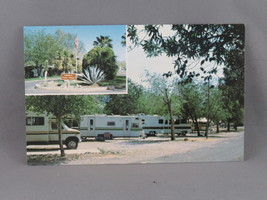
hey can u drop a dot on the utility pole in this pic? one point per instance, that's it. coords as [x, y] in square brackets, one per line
[76, 42]
[208, 110]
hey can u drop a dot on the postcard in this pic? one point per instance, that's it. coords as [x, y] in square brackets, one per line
[135, 94]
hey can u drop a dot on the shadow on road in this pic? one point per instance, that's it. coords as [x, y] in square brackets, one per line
[43, 150]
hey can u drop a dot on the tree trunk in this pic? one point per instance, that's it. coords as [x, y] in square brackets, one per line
[172, 123]
[228, 125]
[208, 117]
[62, 153]
[235, 126]
[217, 127]
[207, 129]
[197, 128]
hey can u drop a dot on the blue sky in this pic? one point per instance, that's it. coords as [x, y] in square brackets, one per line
[88, 34]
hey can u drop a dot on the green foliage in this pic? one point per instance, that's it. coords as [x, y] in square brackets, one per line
[204, 42]
[151, 104]
[117, 81]
[103, 41]
[125, 103]
[123, 42]
[192, 101]
[59, 106]
[65, 105]
[103, 58]
[56, 48]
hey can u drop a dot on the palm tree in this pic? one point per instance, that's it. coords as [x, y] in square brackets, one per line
[103, 41]
[123, 42]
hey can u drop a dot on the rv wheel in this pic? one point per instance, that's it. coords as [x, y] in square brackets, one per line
[72, 144]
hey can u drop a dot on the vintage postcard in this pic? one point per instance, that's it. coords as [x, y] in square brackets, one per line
[75, 60]
[184, 103]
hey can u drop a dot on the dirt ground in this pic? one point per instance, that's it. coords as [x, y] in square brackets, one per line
[149, 150]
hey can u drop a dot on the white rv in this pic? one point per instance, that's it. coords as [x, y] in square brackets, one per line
[154, 124]
[110, 126]
[42, 129]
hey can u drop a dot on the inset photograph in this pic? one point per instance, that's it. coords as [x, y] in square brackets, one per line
[75, 60]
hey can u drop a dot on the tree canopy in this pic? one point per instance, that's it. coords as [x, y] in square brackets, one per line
[58, 49]
[123, 104]
[103, 41]
[218, 43]
[102, 58]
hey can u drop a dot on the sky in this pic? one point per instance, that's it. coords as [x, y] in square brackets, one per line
[138, 62]
[88, 34]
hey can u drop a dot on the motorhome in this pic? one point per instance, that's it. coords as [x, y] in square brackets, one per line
[42, 129]
[110, 126]
[154, 124]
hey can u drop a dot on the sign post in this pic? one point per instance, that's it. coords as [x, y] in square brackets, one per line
[68, 78]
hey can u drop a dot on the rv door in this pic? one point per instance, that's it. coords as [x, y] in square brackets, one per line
[127, 128]
[91, 125]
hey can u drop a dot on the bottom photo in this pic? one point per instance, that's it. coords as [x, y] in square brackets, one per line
[126, 129]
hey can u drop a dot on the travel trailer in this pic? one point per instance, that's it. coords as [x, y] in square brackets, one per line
[42, 129]
[154, 124]
[110, 126]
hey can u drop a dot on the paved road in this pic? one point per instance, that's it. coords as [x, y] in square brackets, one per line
[30, 90]
[231, 149]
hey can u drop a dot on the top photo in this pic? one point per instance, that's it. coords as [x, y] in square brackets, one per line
[75, 60]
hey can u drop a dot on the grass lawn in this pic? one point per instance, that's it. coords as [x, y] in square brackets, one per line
[118, 80]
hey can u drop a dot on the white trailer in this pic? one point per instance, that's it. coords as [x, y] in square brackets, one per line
[154, 124]
[110, 126]
[42, 130]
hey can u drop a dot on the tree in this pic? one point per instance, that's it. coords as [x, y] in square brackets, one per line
[123, 42]
[160, 86]
[103, 41]
[59, 106]
[123, 104]
[219, 45]
[148, 103]
[102, 58]
[204, 42]
[192, 103]
[217, 111]
[39, 47]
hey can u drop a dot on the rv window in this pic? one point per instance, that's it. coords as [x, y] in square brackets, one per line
[91, 122]
[184, 121]
[34, 121]
[177, 121]
[54, 126]
[160, 121]
[135, 125]
[166, 121]
[28, 121]
[111, 123]
[68, 122]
